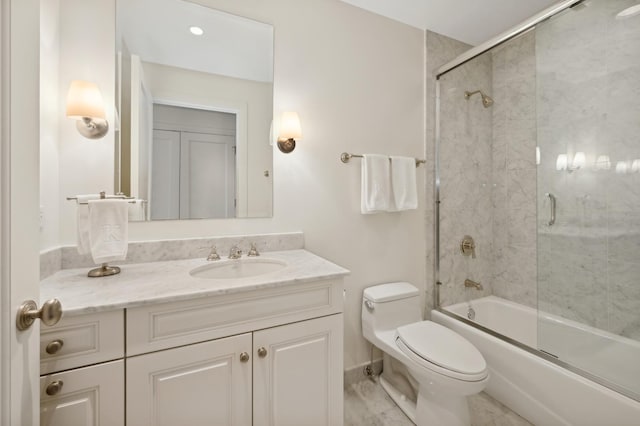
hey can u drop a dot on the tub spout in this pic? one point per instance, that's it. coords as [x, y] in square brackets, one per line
[470, 283]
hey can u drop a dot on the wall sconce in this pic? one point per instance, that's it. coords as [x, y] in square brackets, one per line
[603, 162]
[622, 167]
[579, 160]
[84, 103]
[289, 131]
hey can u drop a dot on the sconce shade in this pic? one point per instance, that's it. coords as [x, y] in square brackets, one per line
[290, 126]
[289, 130]
[84, 100]
[561, 162]
[579, 160]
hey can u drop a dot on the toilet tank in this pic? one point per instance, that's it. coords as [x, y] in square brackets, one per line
[388, 306]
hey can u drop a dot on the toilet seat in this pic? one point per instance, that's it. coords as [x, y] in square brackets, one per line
[442, 350]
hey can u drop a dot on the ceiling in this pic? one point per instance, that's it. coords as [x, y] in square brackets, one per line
[470, 21]
[158, 32]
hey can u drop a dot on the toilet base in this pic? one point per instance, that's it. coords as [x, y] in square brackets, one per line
[407, 406]
[432, 408]
[435, 407]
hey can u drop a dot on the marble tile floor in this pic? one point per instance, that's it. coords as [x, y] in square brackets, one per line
[367, 404]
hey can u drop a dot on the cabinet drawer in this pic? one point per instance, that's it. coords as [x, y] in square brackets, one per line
[156, 327]
[82, 340]
[84, 396]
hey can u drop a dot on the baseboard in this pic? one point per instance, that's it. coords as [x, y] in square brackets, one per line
[356, 374]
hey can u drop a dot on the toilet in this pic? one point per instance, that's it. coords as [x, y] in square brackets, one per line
[442, 366]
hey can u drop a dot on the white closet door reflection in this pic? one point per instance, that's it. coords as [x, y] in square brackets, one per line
[207, 176]
[165, 175]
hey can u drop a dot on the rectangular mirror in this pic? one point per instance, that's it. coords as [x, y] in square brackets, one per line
[194, 98]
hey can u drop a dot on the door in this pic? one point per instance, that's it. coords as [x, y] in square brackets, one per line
[88, 396]
[297, 374]
[19, 208]
[165, 175]
[207, 176]
[197, 385]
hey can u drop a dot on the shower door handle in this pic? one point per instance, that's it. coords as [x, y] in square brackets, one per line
[552, 204]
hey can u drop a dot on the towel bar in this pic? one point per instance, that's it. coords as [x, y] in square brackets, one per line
[345, 157]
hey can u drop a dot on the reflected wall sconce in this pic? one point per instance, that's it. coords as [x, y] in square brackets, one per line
[289, 130]
[579, 161]
[84, 103]
[603, 162]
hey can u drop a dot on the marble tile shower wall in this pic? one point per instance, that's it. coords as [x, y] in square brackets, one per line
[514, 171]
[465, 181]
[588, 81]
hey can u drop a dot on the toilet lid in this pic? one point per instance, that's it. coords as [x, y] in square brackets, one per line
[443, 347]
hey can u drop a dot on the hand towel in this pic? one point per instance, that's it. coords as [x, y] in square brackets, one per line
[376, 184]
[403, 183]
[108, 230]
[136, 210]
[82, 222]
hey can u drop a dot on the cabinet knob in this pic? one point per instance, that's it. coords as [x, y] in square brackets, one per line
[54, 387]
[262, 352]
[244, 357]
[54, 346]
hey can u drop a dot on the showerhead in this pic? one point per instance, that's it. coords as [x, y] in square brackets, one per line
[486, 100]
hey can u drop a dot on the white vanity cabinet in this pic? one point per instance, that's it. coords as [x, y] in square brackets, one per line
[297, 374]
[80, 382]
[287, 375]
[265, 356]
[203, 384]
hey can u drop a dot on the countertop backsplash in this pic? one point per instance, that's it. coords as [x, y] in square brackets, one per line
[67, 257]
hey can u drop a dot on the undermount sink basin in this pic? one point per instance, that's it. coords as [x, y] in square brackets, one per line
[240, 268]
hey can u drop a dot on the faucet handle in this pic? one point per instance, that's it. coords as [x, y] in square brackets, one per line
[253, 251]
[468, 246]
[213, 253]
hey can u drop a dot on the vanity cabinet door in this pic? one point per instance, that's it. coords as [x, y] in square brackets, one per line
[84, 396]
[203, 384]
[297, 374]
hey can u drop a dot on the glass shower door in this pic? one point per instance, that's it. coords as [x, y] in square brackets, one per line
[587, 65]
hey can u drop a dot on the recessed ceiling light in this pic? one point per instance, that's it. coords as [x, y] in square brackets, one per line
[196, 30]
[629, 12]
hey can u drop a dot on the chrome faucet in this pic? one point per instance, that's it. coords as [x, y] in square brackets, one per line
[235, 252]
[469, 283]
[253, 251]
[213, 254]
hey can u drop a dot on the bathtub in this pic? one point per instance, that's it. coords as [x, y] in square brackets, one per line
[531, 383]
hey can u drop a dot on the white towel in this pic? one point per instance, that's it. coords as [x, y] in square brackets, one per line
[403, 183]
[108, 230]
[376, 184]
[82, 222]
[136, 210]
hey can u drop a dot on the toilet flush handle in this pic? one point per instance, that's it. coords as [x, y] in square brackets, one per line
[368, 304]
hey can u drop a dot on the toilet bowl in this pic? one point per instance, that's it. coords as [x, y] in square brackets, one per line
[446, 367]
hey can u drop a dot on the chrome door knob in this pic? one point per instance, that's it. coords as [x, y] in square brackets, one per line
[262, 352]
[28, 312]
[244, 357]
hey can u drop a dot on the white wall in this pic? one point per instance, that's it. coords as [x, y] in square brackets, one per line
[357, 81]
[86, 166]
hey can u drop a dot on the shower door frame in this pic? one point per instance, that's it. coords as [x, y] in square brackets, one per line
[444, 69]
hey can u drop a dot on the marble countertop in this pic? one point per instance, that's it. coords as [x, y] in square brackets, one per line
[169, 281]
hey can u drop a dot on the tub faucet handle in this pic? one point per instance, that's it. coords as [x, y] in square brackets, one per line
[468, 246]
